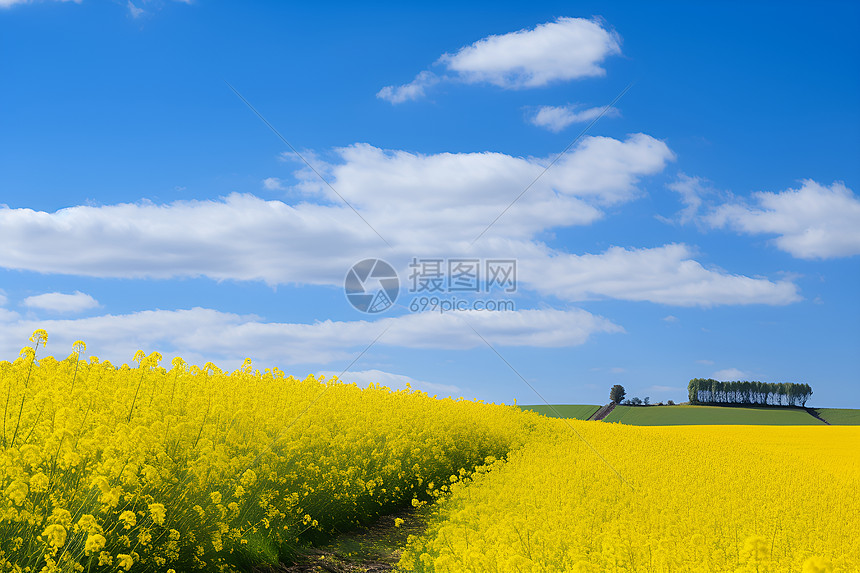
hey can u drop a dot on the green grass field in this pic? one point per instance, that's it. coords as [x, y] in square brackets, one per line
[577, 411]
[840, 416]
[701, 415]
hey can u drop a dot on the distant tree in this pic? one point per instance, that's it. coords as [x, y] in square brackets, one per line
[670, 402]
[617, 393]
[806, 393]
[647, 400]
[635, 401]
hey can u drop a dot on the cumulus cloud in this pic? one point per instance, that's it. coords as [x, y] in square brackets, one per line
[812, 222]
[424, 205]
[557, 118]
[60, 302]
[563, 50]
[666, 275]
[201, 334]
[566, 49]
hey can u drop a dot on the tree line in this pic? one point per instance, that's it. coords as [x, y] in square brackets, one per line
[710, 391]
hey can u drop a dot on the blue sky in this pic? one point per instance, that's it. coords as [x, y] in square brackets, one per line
[707, 225]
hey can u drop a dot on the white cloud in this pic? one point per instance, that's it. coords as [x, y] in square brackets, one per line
[273, 184]
[670, 319]
[394, 381]
[424, 205]
[566, 49]
[134, 10]
[3, 298]
[420, 203]
[617, 370]
[200, 334]
[812, 222]
[60, 302]
[411, 91]
[557, 118]
[665, 275]
[705, 362]
[692, 191]
[10, 3]
[730, 374]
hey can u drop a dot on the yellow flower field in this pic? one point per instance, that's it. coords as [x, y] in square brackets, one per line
[656, 499]
[108, 468]
[143, 468]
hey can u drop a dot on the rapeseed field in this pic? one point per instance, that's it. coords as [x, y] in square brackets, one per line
[141, 467]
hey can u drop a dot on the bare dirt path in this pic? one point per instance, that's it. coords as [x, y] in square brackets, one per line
[372, 549]
[603, 411]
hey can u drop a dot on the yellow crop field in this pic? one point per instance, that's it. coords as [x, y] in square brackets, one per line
[656, 499]
[144, 468]
[110, 468]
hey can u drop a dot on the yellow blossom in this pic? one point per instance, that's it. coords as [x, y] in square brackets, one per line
[55, 535]
[94, 544]
[40, 336]
[128, 518]
[158, 513]
[125, 561]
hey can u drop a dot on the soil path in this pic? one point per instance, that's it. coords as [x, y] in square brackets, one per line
[603, 411]
[372, 549]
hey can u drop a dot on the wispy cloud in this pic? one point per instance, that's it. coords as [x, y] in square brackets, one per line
[558, 118]
[135, 11]
[411, 91]
[693, 191]
[563, 50]
[729, 374]
[10, 3]
[273, 184]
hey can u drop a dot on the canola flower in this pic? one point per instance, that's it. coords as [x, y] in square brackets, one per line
[742, 499]
[108, 468]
